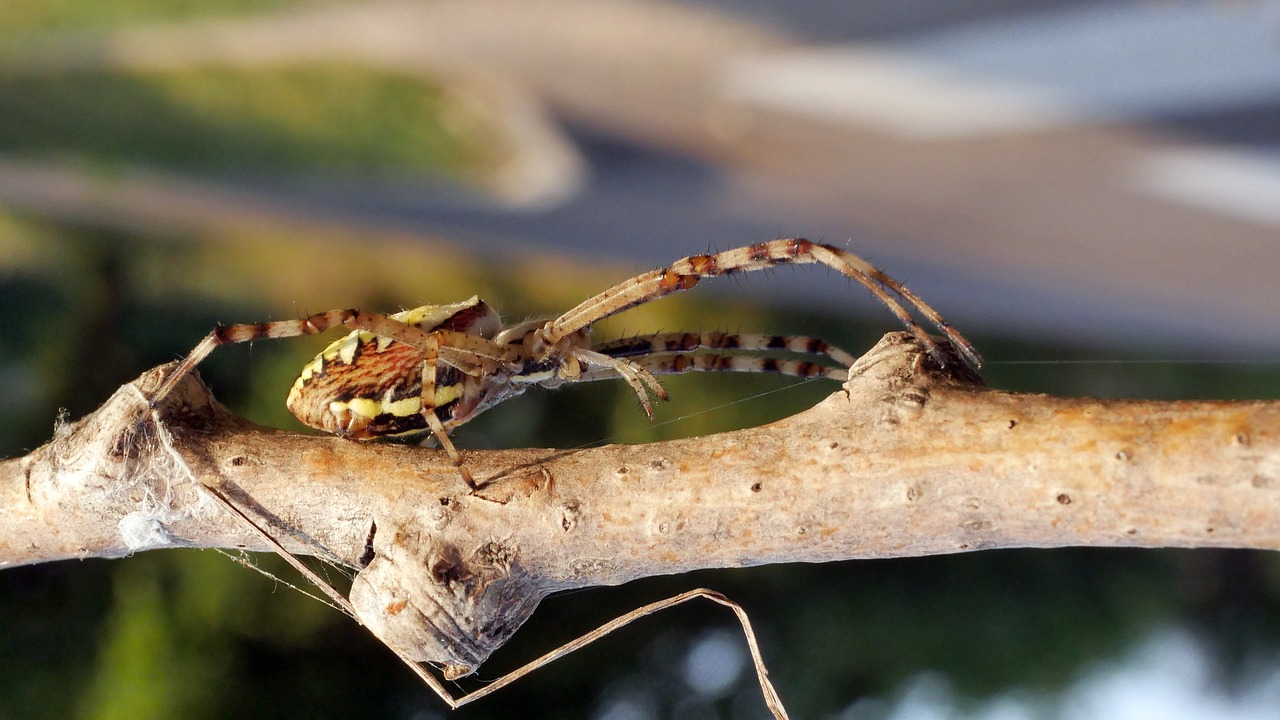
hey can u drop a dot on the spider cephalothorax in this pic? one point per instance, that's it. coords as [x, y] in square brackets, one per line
[435, 367]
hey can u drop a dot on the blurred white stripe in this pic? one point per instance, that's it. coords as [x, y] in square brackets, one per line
[1232, 183]
[897, 93]
[1097, 63]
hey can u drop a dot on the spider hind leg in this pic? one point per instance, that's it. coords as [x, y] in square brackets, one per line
[685, 273]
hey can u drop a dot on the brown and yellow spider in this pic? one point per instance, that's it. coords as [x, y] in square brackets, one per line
[435, 367]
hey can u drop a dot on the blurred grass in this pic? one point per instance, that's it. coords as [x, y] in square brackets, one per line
[22, 18]
[318, 119]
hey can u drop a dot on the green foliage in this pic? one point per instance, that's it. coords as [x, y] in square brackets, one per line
[333, 119]
[23, 18]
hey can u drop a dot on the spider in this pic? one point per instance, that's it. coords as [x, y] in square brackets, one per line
[435, 367]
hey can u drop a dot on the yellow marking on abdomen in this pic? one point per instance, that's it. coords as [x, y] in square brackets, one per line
[447, 394]
[368, 408]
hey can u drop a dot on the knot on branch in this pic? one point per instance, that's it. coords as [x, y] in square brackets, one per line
[432, 603]
[900, 359]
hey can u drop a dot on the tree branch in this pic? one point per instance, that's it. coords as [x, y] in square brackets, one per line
[906, 460]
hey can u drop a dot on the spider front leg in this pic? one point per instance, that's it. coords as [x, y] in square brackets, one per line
[248, 332]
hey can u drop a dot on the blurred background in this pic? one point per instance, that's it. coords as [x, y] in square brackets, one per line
[1089, 190]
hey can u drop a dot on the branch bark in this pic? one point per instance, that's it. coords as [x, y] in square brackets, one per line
[906, 460]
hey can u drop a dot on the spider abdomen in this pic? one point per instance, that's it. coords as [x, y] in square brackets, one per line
[365, 386]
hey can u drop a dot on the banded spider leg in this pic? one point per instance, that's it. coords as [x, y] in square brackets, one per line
[685, 273]
[677, 353]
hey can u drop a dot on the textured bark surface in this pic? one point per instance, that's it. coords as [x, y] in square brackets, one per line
[906, 460]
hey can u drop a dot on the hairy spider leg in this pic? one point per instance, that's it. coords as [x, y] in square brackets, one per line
[681, 363]
[677, 353]
[678, 342]
[640, 379]
[685, 273]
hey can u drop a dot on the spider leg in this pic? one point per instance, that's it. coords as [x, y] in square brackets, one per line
[855, 267]
[473, 355]
[311, 325]
[640, 345]
[640, 379]
[680, 363]
[685, 273]
[430, 356]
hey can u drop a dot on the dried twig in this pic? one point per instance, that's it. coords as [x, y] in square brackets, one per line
[907, 460]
